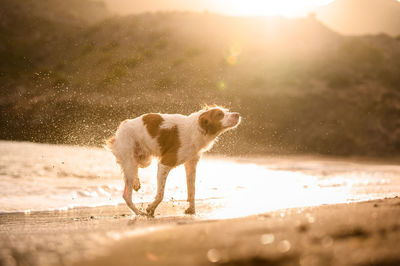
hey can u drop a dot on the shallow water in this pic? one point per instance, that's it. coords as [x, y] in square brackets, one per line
[57, 177]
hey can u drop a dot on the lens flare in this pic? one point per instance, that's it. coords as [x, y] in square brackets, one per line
[221, 85]
[231, 59]
[233, 54]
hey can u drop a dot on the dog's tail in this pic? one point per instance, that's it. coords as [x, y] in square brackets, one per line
[109, 144]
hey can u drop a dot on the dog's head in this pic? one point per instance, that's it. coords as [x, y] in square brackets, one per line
[216, 120]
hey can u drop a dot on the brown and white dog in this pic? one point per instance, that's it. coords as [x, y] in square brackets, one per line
[174, 139]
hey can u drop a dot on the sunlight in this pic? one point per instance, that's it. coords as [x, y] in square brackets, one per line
[287, 8]
[229, 188]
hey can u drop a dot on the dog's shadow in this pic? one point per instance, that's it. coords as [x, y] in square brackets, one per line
[173, 219]
[165, 220]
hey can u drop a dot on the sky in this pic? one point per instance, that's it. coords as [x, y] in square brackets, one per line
[353, 17]
[288, 8]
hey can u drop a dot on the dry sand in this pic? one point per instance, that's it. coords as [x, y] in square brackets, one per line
[364, 233]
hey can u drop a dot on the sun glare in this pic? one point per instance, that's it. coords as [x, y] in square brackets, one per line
[287, 8]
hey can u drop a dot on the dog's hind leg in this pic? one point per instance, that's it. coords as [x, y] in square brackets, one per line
[130, 171]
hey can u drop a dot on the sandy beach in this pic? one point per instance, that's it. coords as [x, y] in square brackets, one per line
[363, 233]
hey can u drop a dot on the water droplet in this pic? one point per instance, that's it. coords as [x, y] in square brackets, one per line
[284, 246]
[310, 218]
[213, 255]
[267, 239]
[151, 256]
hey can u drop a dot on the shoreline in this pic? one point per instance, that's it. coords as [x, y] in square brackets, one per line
[361, 233]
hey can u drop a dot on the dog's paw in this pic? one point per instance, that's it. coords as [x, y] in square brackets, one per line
[150, 212]
[190, 210]
[136, 184]
[141, 213]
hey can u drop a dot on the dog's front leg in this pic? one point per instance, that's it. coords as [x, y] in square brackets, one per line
[162, 173]
[190, 167]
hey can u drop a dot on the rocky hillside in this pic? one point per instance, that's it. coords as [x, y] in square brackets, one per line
[69, 75]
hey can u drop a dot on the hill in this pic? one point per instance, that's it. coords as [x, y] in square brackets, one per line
[350, 17]
[300, 86]
[362, 16]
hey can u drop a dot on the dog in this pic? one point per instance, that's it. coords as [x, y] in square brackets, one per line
[174, 139]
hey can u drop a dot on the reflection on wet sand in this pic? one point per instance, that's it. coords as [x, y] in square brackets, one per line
[60, 177]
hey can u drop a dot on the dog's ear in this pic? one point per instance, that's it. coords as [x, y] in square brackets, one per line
[203, 122]
[206, 124]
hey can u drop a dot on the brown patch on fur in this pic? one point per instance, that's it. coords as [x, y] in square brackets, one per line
[167, 138]
[210, 121]
[152, 123]
[169, 144]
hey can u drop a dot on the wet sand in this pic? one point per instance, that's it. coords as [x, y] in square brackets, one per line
[364, 233]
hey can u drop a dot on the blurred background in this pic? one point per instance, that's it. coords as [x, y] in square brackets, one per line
[309, 77]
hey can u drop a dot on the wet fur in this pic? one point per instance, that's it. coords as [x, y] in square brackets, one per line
[174, 139]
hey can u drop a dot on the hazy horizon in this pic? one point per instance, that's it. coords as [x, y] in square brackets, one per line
[344, 16]
[287, 8]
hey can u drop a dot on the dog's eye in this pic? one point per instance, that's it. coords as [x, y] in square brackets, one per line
[220, 115]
